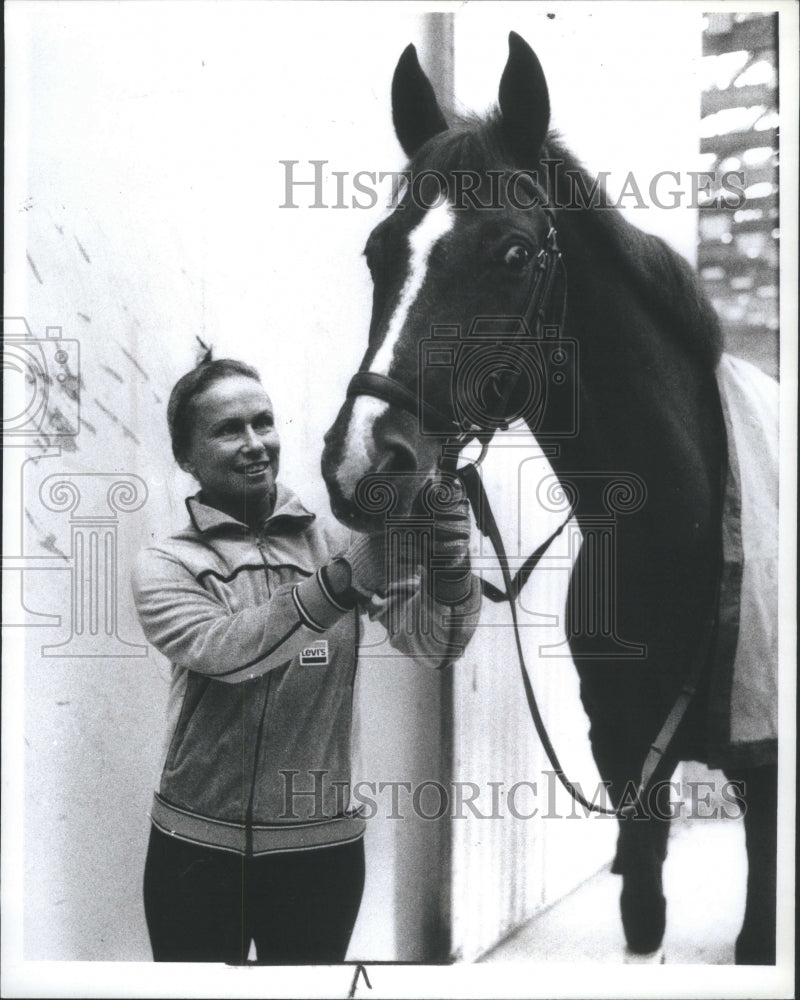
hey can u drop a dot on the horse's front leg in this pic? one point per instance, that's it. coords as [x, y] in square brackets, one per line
[642, 838]
[758, 796]
[627, 700]
[641, 852]
[619, 734]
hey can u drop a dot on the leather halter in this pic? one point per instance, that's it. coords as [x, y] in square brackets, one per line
[548, 266]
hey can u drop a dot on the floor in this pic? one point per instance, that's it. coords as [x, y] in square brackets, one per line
[704, 882]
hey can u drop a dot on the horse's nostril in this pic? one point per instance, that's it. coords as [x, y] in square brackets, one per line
[397, 456]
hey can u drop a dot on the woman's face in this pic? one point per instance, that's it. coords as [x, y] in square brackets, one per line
[235, 448]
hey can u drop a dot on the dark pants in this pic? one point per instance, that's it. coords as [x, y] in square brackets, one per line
[207, 905]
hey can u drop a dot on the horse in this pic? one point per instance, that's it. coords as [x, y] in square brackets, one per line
[488, 214]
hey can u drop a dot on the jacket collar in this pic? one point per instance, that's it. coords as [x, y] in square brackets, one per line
[289, 514]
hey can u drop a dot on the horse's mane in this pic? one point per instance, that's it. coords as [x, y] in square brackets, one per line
[657, 272]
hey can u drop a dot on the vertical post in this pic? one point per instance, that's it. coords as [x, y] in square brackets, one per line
[423, 878]
[438, 57]
[440, 53]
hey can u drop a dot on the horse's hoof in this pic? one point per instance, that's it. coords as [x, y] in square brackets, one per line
[656, 957]
[644, 919]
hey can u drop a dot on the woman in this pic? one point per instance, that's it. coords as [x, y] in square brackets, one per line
[251, 837]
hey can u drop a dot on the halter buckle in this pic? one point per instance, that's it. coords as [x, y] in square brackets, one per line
[448, 461]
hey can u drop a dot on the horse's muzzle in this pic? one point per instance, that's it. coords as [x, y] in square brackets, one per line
[372, 480]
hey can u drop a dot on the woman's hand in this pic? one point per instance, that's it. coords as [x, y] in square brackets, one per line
[363, 571]
[452, 579]
[360, 572]
[367, 560]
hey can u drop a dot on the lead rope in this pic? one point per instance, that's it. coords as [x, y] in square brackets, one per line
[485, 520]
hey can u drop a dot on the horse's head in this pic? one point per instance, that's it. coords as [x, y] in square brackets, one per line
[464, 242]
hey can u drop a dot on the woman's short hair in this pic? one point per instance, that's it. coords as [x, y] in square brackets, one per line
[179, 408]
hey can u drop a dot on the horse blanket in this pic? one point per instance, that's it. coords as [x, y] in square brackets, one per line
[744, 680]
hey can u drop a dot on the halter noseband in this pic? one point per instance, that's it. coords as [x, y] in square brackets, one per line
[539, 304]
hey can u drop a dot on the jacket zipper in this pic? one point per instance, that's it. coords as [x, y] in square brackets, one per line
[259, 734]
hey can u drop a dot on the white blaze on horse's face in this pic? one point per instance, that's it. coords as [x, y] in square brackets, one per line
[359, 448]
[435, 224]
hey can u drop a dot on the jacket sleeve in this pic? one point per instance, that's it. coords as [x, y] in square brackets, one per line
[421, 627]
[194, 630]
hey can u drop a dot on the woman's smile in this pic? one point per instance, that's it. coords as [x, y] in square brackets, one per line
[256, 469]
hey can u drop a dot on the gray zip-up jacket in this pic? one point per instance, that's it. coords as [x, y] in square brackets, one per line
[263, 665]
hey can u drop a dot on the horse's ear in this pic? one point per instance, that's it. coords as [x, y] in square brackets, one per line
[415, 111]
[524, 102]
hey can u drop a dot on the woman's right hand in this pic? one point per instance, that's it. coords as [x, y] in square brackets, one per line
[360, 572]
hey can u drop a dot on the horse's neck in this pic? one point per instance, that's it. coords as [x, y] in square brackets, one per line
[642, 266]
[645, 397]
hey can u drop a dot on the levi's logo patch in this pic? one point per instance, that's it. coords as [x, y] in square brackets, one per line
[316, 655]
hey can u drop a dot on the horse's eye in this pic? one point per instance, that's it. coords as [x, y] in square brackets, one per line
[516, 257]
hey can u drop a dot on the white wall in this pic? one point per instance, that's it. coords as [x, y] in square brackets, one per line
[144, 197]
